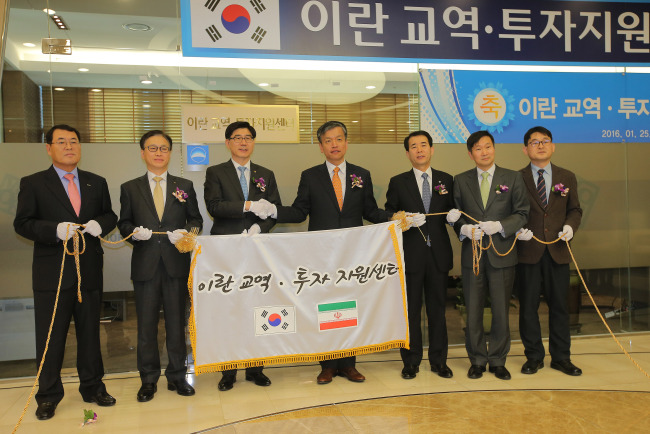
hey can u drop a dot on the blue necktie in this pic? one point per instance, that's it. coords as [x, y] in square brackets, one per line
[242, 182]
[426, 192]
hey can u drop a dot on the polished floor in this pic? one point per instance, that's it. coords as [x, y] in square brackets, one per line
[611, 396]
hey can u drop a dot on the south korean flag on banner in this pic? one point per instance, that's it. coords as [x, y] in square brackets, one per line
[270, 320]
[253, 24]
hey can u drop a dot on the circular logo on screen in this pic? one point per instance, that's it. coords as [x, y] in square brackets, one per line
[197, 155]
[235, 19]
[491, 107]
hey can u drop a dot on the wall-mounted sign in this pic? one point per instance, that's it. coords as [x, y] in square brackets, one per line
[535, 31]
[576, 107]
[207, 123]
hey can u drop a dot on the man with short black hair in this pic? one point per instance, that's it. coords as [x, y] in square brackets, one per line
[52, 204]
[233, 190]
[554, 212]
[427, 252]
[496, 198]
[159, 202]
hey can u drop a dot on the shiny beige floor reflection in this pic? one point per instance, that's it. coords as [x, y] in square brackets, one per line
[611, 396]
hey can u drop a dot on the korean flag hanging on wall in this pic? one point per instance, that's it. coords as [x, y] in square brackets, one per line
[275, 319]
[252, 24]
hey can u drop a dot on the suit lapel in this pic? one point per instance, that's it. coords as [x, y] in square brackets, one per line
[414, 191]
[531, 185]
[556, 178]
[145, 191]
[254, 192]
[474, 187]
[497, 179]
[328, 187]
[56, 187]
[169, 195]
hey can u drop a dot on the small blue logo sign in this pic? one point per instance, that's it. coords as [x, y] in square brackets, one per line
[198, 155]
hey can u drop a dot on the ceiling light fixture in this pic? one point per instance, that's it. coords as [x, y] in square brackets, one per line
[146, 81]
[263, 84]
[95, 90]
[29, 44]
[369, 87]
[137, 27]
[49, 11]
[59, 22]
[60, 89]
[83, 69]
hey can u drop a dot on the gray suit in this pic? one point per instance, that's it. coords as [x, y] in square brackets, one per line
[496, 275]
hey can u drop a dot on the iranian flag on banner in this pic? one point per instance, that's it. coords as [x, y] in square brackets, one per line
[337, 315]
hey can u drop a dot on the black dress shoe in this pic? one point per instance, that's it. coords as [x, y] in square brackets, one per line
[567, 367]
[532, 366]
[475, 371]
[103, 399]
[182, 387]
[45, 410]
[147, 391]
[410, 371]
[500, 372]
[226, 383]
[442, 370]
[259, 379]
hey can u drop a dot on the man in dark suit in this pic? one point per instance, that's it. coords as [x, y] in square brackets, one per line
[161, 202]
[554, 212]
[427, 253]
[51, 205]
[334, 195]
[232, 192]
[495, 197]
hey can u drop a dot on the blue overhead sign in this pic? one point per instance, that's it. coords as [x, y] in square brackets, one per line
[576, 107]
[512, 31]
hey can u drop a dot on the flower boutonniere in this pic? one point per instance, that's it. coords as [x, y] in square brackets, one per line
[259, 183]
[180, 195]
[502, 189]
[560, 189]
[440, 188]
[356, 181]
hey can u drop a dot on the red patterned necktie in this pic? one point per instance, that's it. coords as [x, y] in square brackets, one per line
[73, 193]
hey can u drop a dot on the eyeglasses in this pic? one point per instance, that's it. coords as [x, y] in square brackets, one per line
[164, 149]
[536, 143]
[239, 139]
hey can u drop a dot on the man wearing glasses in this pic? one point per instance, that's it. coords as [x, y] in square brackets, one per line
[52, 204]
[159, 202]
[554, 212]
[232, 193]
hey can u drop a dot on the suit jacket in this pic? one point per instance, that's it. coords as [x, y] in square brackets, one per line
[43, 203]
[547, 223]
[224, 198]
[138, 209]
[316, 198]
[510, 208]
[403, 194]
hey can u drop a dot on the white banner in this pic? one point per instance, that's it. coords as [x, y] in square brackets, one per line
[297, 297]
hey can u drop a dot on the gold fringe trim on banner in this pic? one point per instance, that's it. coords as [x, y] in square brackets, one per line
[402, 281]
[297, 358]
[191, 325]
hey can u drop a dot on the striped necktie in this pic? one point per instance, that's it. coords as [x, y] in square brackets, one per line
[541, 188]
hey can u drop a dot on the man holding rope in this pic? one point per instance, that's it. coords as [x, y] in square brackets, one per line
[167, 204]
[554, 212]
[52, 205]
[495, 198]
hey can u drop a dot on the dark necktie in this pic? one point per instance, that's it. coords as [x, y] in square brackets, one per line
[541, 188]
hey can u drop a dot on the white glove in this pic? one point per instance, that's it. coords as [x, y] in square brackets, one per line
[524, 234]
[259, 209]
[62, 229]
[176, 236]
[254, 230]
[491, 228]
[567, 233]
[467, 231]
[142, 234]
[92, 228]
[453, 216]
[417, 219]
[244, 232]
